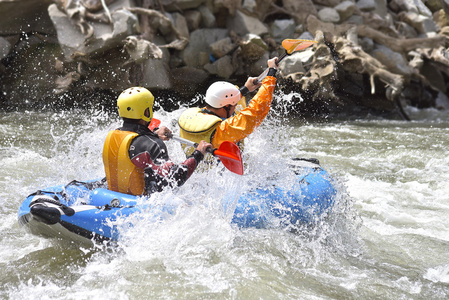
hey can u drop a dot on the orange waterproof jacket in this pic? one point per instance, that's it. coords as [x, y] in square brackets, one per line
[236, 128]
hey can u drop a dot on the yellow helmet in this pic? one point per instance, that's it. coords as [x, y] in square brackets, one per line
[133, 102]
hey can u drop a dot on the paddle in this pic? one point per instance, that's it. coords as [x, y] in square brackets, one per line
[228, 153]
[154, 124]
[290, 46]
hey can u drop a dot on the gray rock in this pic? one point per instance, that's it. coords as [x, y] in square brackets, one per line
[124, 24]
[156, 75]
[416, 6]
[406, 30]
[421, 23]
[290, 65]
[5, 47]
[345, 9]
[187, 79]
[200, 41]
[367, 44]
[193, 19]
[366, 5]
[381, 9]
[104, 38]
[180, 23]
[243, 24]
[306, 36]
[305, 56]
[283, 29]
[434, 76]
[354, 19]
[207, 17]
[222, 67]
[393, 61]
[259, 66]
[329, 15]
[442, 101]
[222, 47]
[252, 47]
[299, 28]
[189, 75]
[255, 39]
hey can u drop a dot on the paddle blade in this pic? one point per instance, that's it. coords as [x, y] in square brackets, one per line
[293, 45]
[230, 156]
[154, 124]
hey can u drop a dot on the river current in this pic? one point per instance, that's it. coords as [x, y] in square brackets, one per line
[387, 239]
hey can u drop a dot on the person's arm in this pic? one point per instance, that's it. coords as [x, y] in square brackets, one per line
[150, 154]
[243, 124]
[163, 133]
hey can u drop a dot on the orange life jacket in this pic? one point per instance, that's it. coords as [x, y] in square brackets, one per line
[122, 175]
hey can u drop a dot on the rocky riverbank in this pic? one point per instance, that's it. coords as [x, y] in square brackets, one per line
[371, 55]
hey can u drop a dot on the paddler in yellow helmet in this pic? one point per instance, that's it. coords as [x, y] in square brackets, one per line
[216, 122]
[135, 158]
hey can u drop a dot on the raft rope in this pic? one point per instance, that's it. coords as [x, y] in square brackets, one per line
[57, 195]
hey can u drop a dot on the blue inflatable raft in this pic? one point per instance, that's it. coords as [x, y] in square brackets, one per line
[88, 212]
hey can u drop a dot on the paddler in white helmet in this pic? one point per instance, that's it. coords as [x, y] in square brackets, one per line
[135, 158]
[216, 122]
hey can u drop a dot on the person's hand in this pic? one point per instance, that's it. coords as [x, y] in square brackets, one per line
[202, 147]
[163, 133]
[250, 84]
[272, 63]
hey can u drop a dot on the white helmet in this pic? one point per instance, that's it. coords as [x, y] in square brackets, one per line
[222, 93]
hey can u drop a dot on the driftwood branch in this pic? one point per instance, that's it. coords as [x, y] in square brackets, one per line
[399, 45]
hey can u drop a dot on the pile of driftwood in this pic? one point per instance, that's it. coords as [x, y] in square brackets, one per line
[371, 55]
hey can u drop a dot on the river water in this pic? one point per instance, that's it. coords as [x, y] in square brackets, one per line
[388, 237]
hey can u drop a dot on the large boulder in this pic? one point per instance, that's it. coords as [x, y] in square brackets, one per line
[222, 47]
[156, 75]
[345, 9]
[207, 17]
[366, 5]
[186, 80]
[243, 24]
[283, 29]
[290, 65]
[221, 67]
[197, 52]
[329, 14]
[105, 36]
[252, 47]
[392, 60]
[180, 23]
[421, 23]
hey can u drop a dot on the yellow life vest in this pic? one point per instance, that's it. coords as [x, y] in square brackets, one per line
[122, 175]
[197, 126]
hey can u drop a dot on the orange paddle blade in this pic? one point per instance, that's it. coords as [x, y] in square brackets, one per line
[230, 156]
[154, 124]
[292, 45]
